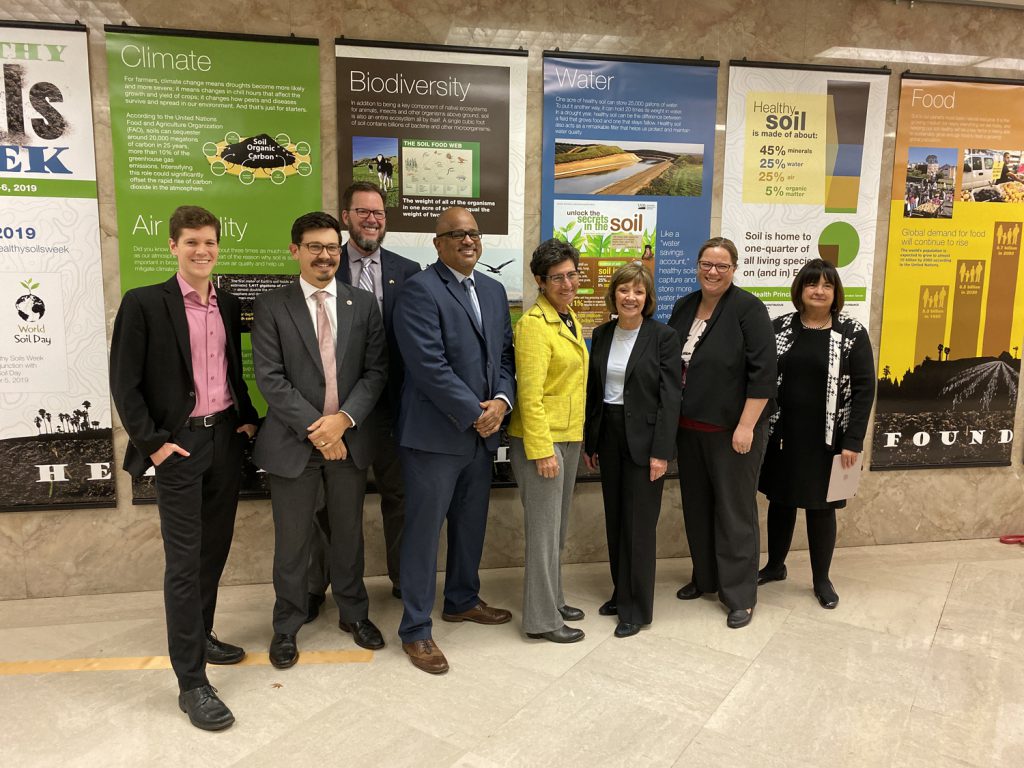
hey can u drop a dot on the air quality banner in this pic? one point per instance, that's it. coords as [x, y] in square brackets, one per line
[229, 123]
[953, 315]
[55, 438]
[803, 149]
[437, 127]
[627, 162]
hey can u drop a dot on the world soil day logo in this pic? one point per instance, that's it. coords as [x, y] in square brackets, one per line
[30, 307]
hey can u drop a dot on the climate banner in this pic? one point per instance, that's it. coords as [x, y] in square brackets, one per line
[55, 438]
[628, 153]
[230, 123]
[952, 318]
[803, 151]
[436, 127]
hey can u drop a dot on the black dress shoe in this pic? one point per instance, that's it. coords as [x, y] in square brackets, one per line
[775, 574]
[283, 651]
[625, 629]
[739, 617]
[204, 709]
[365, 633]
[222, 653]
[313, 610]
[563, 634]
[608, 609]
[571, 614]
[826, 594]
[688, 592]
[396, 592]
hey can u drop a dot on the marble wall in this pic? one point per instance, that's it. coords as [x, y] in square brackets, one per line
[110, 550]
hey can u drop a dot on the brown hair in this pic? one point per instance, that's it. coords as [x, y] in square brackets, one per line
[720, 242]
[192, 217]
[360, 186]
[809, 274]
[634, 272]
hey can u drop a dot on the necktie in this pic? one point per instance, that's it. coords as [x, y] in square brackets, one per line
[325, 339]
[366, 275]
[468, 285]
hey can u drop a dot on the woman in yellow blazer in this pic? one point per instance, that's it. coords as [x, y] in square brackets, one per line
[546, 435]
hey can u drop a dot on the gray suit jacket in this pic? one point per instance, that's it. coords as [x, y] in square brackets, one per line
[290, 375]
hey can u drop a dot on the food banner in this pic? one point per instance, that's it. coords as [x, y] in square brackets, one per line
[55, 435]
[435, 127]
[628, 153]
[803, 151]
[227, 122]
[952, 319]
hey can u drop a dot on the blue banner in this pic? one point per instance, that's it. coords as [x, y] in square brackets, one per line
[627, 169]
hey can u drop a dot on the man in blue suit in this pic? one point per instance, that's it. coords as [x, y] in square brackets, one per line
[455, 336]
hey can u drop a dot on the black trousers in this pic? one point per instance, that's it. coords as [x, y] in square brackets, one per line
[632, 505]
[197, 497]
[293, 501]
[387, 476]
[821, 538]
[719, 488]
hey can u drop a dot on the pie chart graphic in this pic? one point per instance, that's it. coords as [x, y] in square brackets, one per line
[838, 244]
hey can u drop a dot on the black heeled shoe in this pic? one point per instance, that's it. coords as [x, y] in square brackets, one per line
[764, 575]
[827, 596]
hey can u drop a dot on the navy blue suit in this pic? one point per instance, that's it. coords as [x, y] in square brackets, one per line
[451, 366]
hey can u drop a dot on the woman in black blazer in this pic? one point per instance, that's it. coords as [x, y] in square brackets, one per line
[632, 391]
[728, 387]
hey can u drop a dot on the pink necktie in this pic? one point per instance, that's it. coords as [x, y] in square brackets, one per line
[325, 338]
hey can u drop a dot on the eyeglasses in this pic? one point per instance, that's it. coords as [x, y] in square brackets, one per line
[317, 248]
[462, 234]
[572, 277]
[710, 266]
[365, 213]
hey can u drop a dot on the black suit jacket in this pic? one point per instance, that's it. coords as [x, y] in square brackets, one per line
[394, 271]
[651, 394]
[151, 379]
[734, 359]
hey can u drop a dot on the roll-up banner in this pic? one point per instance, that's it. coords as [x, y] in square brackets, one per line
[803, 151]
[55, 438]
[628, 153]
[436, 127]
[952, 319]
[227, 122]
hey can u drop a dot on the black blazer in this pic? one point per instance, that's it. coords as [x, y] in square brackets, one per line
[652, 389]
[734, 358]
[394, 271]
[151, 380]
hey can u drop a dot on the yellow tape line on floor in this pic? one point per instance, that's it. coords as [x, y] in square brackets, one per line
[50, 666]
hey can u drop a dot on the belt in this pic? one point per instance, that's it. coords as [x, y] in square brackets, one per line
[205, 422]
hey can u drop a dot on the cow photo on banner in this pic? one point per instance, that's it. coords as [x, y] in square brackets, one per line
[953, 315]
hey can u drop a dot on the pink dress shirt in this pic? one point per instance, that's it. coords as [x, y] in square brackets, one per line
[208, 343]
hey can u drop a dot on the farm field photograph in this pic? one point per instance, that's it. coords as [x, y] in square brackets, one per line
[585, 167]
[375, 159]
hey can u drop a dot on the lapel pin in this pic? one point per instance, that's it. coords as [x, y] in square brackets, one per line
[349, 302]
[391, 282]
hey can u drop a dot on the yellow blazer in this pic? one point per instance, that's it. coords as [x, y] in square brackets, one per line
[551, 381]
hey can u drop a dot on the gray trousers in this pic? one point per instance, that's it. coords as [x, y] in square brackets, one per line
[546, 505]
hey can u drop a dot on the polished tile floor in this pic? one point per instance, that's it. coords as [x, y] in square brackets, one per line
[922, 664]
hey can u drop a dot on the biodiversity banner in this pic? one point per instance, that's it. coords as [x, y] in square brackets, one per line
[952, 318]
[436, 127]
[628, 153]
[230, 123]
[55, 433]
[803, 151]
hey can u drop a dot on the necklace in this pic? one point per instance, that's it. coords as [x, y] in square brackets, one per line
[826, 324]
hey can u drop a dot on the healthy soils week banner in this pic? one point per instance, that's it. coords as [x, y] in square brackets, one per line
[952, 319]
[803, 153]
[436, 127]
[55, 439]
[228, 123]
[627, 161]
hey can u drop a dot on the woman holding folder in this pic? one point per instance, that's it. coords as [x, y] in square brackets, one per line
[826, 385]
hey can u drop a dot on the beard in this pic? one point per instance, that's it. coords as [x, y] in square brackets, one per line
[365, 243]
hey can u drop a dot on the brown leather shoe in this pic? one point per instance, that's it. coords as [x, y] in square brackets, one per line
[480, 614]
[426, 656]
